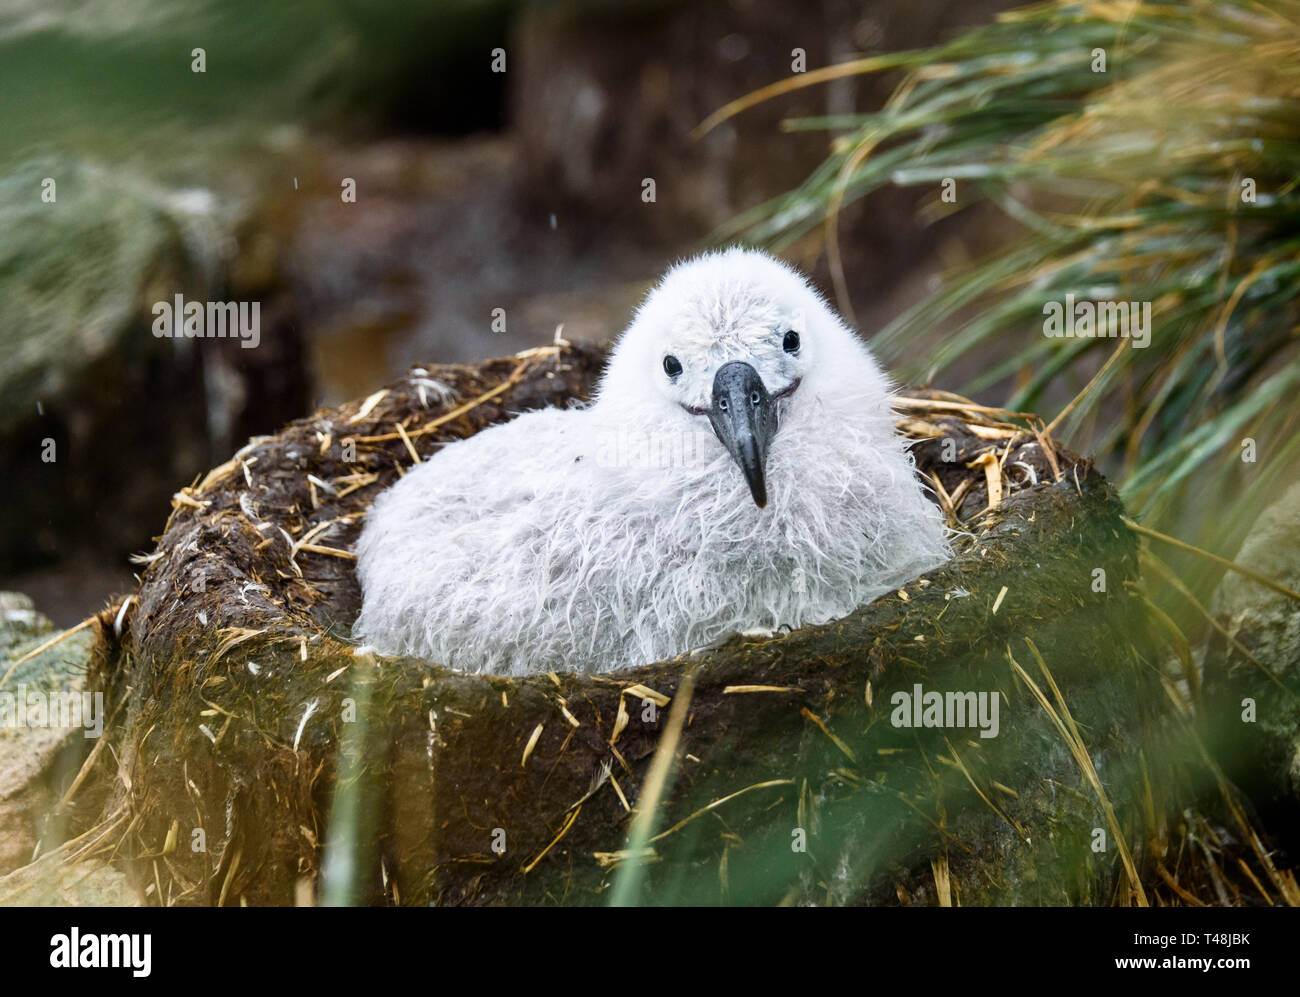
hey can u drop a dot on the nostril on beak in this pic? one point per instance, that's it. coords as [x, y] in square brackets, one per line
[746, 432]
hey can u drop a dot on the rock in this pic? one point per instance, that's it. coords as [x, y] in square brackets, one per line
[19, 622]
[1264, 752]
[92, 403]
[439, 257]
[53, 882]
[604, 97]
[37, 761]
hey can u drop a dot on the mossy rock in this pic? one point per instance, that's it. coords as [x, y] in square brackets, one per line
[40, 753]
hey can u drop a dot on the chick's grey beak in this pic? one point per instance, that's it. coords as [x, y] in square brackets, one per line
[744, 417]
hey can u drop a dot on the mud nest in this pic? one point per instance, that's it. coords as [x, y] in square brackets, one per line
[259, 757]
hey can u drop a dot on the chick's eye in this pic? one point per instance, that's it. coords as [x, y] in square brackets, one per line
[672, 366]
[791, 342]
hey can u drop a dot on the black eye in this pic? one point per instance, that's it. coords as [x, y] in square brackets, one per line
[791, 342]
[672, 366]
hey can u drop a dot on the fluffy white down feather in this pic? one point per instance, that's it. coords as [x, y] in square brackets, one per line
[559, 540]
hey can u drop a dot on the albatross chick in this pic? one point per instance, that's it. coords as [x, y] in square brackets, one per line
[738, 470]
